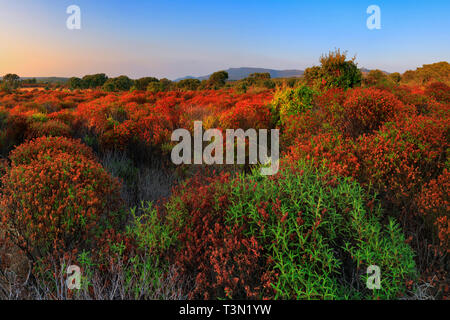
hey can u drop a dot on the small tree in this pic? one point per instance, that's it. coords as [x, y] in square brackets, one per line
[166, 84]
[142, 83]
[335, 71]
[396, 77]
[121, 83]
[10, 81]
[94, 80]
[217, 80]
[162, 85]
[188, 84]
[259, 79]
[75, 83]
[109, 86]
[259, 76]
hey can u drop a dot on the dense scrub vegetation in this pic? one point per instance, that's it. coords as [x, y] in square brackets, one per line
[86, 179]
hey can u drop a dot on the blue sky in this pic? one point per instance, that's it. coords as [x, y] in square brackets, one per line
[172, 38]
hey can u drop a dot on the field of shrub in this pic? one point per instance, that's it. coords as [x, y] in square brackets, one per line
[86, 179]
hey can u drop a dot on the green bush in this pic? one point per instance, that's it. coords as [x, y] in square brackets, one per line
[160, 86]
[121, 83]
[320, 235]
[293, 101]
[130, 265]
[152, 239]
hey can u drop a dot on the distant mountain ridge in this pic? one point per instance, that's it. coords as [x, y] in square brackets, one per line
[244, 72]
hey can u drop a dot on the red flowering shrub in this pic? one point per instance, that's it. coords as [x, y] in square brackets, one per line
[124, 120]
[117, 125]
[402, 156]
[300, 128]
[30, 151]
[329, 99]
[424, 104]
[155, 128]
[366, 109]
[439, 91]
[232, 237]
[58, 201]
[409, 95]
[66, 116]
[434, 203]
[335, 152]
[50, 128]
[245, 115]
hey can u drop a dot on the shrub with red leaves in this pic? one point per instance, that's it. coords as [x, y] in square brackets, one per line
[366, 109]
[54, 200]
[222, 262]
[50, 128]
[330, 99]
[246, 114]
[439, 91]
[434, 203]
[402, 156]
[300, 128]
[334, 151]
[30, 151]
[414, 97]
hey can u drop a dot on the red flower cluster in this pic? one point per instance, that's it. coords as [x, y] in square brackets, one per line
[50, 128]
[434, 204]
[56, 198]
[439, 91]
[29, 152]
[334, 151]
[402, 156]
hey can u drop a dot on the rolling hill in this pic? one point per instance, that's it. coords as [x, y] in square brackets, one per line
[241, 73]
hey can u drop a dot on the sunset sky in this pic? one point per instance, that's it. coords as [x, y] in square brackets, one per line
[175, 38]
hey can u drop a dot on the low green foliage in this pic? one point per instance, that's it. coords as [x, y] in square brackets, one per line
[153, 238]
[321, 235]
[292, 101]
